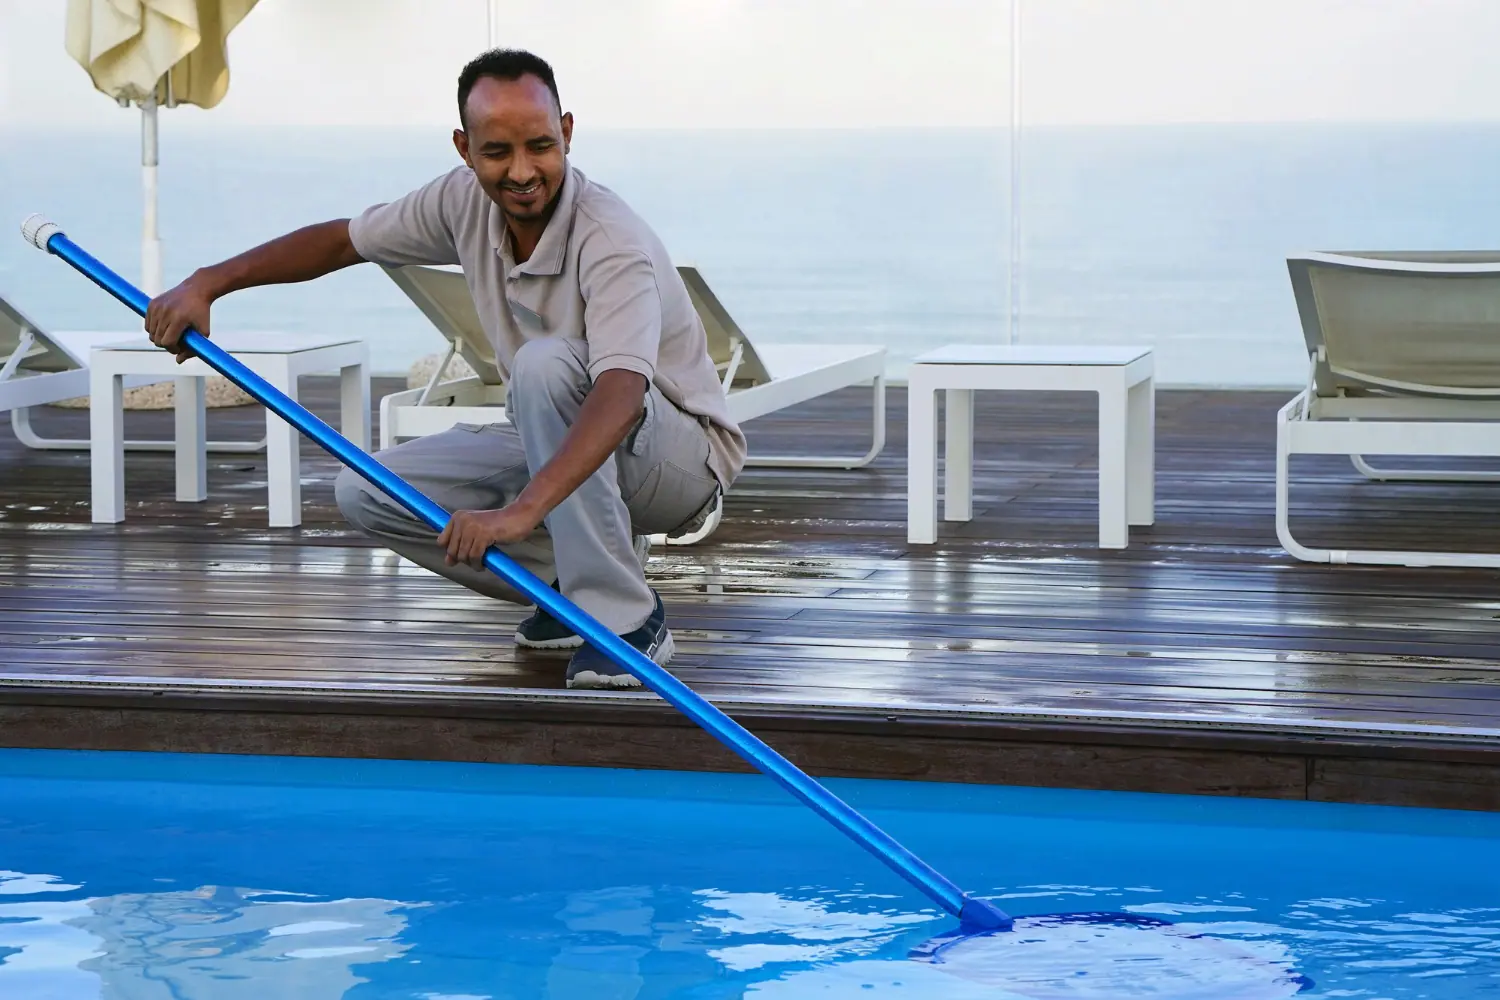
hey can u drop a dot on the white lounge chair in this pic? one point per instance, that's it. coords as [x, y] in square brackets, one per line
[1403, 359]
[40, 367]
[35, 369]
[758, 378]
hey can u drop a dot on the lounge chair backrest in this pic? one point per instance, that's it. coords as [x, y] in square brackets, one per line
[1415, 322]
[44, 354]
[443, 296]
[724, 334]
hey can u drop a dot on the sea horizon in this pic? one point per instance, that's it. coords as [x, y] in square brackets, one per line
[1174, 236]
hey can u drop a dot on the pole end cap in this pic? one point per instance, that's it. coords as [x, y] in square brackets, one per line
[37, 230]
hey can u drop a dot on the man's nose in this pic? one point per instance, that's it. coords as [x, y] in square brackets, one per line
[522, 169]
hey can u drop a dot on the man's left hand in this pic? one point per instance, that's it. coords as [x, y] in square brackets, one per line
[471, 532]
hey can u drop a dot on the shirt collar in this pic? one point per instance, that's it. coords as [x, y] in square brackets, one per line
[552, 249]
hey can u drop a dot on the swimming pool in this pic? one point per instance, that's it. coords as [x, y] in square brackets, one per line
[191, 877]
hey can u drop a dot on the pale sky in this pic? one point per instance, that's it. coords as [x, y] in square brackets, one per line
[821, 63]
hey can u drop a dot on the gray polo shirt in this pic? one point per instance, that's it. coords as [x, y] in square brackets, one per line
[598, 274]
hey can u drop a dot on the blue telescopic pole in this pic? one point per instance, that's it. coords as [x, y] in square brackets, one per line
[976, 913]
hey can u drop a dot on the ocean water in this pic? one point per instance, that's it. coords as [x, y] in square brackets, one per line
[1170, 236]
[182, 877]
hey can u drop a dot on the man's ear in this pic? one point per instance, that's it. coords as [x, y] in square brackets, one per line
[461, 143]
[567, 131]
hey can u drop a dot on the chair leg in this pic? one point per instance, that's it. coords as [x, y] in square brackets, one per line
[20, 425]
[1284, 499]
[1422, 475]
[1367, 557]
[715, 518]
[877, 443]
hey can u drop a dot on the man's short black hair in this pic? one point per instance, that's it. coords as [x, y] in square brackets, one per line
[504, 64]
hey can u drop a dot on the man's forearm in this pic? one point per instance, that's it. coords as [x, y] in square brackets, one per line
[301, 255]
[611, 409]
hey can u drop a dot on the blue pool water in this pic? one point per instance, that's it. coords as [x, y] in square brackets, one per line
[192, 877]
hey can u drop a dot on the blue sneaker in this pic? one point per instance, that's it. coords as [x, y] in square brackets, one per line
[590, 668]
[542, 631]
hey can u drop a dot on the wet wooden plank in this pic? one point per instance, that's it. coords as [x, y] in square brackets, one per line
[716, 669]
[809, 599]
[770, 638]
[857, 589]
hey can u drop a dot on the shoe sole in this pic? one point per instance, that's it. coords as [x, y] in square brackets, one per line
[571, 642]
[588, 680]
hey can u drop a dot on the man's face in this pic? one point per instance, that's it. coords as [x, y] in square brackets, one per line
[516, 143]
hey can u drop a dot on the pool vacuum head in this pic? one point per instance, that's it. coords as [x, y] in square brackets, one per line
[1107, 956]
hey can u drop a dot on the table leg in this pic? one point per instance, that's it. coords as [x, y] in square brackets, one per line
[921, 461]
[354, 404]
[1114, 529]
[1141, 460]
[283, 453]
[191, 438]
[958, 455]
[106, 444]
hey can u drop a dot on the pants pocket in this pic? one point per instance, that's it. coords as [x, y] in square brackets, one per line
[669, 498]
[635, 443]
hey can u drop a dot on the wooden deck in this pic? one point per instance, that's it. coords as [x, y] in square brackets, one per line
[1202, 659]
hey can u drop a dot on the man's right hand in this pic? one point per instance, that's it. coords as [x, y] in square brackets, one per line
[171, 313]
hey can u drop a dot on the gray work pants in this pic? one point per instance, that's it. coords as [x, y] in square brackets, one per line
[657, 481]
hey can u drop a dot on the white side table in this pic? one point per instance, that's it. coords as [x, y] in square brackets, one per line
[279, 358]
[1124, 378]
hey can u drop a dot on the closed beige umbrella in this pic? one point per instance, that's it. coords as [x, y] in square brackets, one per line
[153, 53]
[157, 53]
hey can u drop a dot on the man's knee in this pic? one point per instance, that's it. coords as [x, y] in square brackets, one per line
[350, 493]
[546, 367]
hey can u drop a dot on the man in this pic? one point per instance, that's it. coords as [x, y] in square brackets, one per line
[617, 428]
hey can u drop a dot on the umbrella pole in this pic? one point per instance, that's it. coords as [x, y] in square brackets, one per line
[151, 272]
[1013, 294]
[187, 390]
